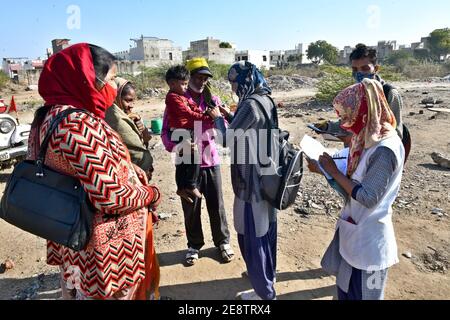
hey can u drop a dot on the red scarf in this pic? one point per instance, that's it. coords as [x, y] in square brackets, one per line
[68, 78]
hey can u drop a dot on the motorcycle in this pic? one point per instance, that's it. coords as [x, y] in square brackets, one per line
[13, 141]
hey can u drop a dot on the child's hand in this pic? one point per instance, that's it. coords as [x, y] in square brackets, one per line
[138, 121]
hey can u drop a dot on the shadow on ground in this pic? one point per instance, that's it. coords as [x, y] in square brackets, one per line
[226, 289]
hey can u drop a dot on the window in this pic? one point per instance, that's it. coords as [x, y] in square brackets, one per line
[170, 56]
[265, 58]
[245, 58]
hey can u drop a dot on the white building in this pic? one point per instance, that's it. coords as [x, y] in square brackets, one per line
[212, 50]
[260, 58]
[277, 58]
[152, 52]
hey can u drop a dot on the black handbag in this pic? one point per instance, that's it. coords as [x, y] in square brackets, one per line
[47, 203]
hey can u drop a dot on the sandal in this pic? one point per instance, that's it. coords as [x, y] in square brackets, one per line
[192, 256]
[227, 253]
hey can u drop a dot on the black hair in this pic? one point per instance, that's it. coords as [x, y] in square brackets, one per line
[362, 51]
[103, 61]
[128, 88]
[177, 73]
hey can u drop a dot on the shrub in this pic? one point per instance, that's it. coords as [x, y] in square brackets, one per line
[335, 80]
[4, 79]
[220, 71]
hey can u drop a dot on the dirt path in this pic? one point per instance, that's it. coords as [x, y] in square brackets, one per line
[304, 231]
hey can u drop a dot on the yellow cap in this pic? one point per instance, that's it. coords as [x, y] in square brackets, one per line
[198, 65]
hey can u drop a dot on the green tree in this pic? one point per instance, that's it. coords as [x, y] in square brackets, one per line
[440, 43]
[321, 50]
[295, 58]
[401, 60]
[225, 45]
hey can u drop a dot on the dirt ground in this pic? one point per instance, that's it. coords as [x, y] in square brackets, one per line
[304, 232]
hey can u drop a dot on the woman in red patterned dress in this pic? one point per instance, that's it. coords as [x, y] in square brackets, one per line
[120, 260]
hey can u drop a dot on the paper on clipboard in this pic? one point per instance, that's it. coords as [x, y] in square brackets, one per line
[312, 148]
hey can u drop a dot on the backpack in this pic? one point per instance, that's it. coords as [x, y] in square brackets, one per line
[406, 139]
[280, 188]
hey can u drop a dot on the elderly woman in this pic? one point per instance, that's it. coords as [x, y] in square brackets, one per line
[120, 260]
[129, 126]
[364, 247]
[254, 219]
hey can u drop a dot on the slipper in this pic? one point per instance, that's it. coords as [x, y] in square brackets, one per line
[227, 253]
[192, 257]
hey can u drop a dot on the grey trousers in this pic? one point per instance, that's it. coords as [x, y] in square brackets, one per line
[210, 185]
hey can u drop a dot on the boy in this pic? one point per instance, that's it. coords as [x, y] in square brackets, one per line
[182, 113]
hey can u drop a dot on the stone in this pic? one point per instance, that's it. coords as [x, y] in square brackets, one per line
[165, 216]
[437, 211]
[408, 255]
[429, 100]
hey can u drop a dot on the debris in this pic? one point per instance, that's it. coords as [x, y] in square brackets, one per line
[436, 211]
[429, 100]
[412, 113]
[7, 265]
[32, 88]
[408, 255]
[440, 160]
[421, 112]
[164, 216]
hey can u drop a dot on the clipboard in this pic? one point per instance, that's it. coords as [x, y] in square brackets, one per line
[326, 135]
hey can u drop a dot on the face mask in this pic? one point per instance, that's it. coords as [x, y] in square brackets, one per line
[109, 93]
[360, 76]
[193, 88]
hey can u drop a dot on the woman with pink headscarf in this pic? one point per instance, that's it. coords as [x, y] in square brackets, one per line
[364, 247]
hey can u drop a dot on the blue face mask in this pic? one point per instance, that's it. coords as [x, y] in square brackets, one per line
[360, 76]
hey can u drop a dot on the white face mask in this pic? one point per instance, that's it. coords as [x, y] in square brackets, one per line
[193, 88]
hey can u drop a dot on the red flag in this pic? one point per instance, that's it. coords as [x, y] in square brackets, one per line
[12, 106]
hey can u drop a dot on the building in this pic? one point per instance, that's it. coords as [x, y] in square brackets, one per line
[297, 55]
[212, 50]
[259, 58]
[344, 55]
[23, 70]
[155, 51]
[148, 52]
[12, 67]
[277, 59]
[385, 49]
[60, 44]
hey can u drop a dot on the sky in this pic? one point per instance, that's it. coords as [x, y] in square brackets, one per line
[28, 26]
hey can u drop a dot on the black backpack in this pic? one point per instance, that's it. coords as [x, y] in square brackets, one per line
[406, 139]
[280, 187]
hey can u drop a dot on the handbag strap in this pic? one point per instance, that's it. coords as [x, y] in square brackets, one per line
[53, 125]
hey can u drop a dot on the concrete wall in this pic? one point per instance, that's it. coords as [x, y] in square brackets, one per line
[155, 52]
[210, 49]
[259, 58]
[29, 77]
